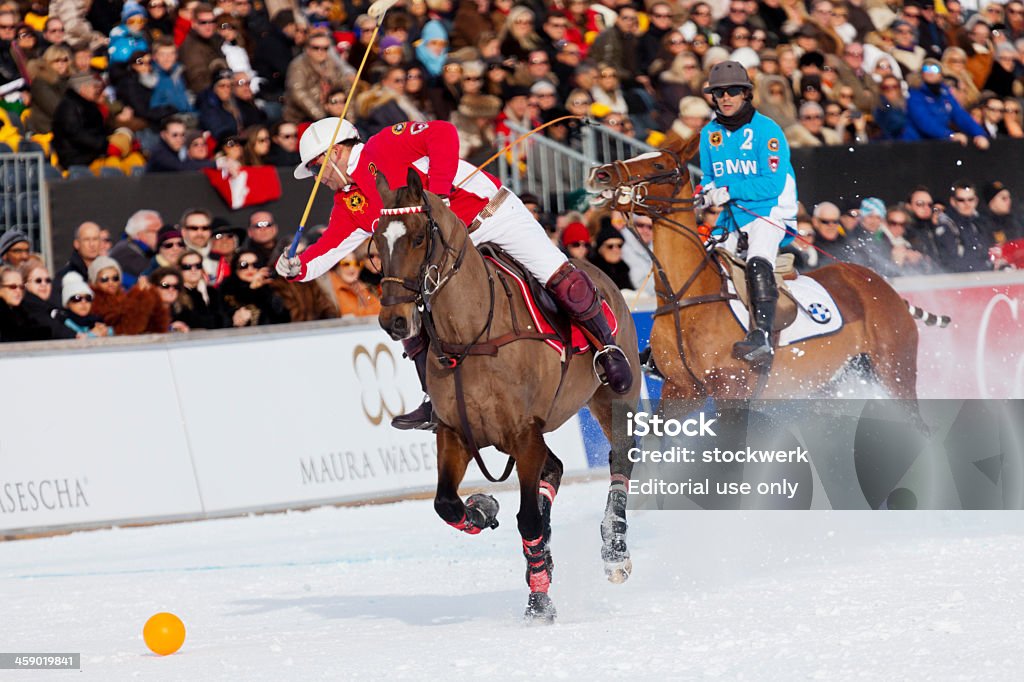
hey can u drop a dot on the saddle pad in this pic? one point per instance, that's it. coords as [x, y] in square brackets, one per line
[816, 314]
[579, 341]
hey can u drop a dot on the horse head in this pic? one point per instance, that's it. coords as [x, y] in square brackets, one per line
[637, 183]
[412, 239]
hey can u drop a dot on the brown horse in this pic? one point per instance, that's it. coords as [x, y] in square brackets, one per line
[694, 329]
[493, 382]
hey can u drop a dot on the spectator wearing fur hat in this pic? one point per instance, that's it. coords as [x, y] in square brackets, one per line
[77, 318]
[475, 122]
[773, 98]
[169, 247]
[385, 104]
[810, 130]
[138, 311]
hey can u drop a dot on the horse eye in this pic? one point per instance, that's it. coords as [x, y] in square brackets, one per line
[417, 239]
[659, 166]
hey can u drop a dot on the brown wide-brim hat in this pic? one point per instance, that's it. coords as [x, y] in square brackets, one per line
[479, 106]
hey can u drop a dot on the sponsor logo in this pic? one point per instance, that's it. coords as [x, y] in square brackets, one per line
[773, 163]
[417, 128]
[356, 202]
[45, 494]
[715, 139]
[376, 371]
[734, 166]
[773, 144]
[398, 128]
[372, 168]
[819, 313]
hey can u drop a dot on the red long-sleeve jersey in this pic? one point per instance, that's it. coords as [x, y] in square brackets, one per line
[432, 148]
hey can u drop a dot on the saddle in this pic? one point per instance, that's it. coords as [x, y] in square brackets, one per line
[544, 318]
[736, 269]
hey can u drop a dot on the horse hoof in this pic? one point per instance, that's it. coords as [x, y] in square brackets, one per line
[618, 572]
[540, 610]
[487, 506]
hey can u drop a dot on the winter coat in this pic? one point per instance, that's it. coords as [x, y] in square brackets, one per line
[353, 299]
[891, 120]
[264, 303]
[45, 314]
[138, 311]
[133, 256]
[202, 313]
[305, 88]
[124, 42]
[79, 134]
[799, 136]
[47, 91]
[163, 160]
[75, 325]
[77, 28]
[379, 108]
[131, 92]
[934, 117]
[617, 272]
[201, 58]
[305, 301]
[273, 53]
[213, 116]
[75, 264]
[15, 325]
[170, 89]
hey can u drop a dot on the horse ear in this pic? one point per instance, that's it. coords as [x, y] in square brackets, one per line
[413, 181]
[690, 147]
[384, 189]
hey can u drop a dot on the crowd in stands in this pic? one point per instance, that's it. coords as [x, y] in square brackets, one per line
[168, 85]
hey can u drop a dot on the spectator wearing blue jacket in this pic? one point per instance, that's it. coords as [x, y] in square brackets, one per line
[130, 35]
[170, 87]
[934, 114]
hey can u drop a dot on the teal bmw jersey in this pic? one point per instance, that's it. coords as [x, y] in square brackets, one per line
[753, 162]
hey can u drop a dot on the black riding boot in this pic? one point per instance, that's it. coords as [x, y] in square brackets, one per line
[756, 348]
[423, 416]
[576, 294]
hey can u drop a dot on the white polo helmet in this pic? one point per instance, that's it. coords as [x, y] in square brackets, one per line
[317, 139]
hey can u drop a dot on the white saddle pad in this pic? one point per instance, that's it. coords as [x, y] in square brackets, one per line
[817, 314]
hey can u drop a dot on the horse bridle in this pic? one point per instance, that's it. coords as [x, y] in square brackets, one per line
[432, 276]
[633, 190]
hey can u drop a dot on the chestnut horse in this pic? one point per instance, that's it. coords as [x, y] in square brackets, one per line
[493, 382]
[694, 328]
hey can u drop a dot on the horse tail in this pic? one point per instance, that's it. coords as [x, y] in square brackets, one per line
[930, 319]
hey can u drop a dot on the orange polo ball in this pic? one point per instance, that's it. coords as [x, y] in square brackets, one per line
[164, 633]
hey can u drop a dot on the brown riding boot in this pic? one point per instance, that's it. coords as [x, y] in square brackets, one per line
[423, 416]
[576, 294]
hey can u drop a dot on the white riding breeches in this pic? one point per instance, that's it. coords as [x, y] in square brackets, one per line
[517, 232]
[763, 240]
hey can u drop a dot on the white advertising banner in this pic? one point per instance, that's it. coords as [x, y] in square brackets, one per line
[306, 418]
[91, 437]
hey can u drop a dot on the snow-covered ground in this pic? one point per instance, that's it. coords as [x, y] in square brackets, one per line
[390, 591]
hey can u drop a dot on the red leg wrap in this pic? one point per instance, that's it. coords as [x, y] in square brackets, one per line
[465, 526]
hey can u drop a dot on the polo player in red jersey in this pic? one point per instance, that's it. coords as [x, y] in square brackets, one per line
[493, 213]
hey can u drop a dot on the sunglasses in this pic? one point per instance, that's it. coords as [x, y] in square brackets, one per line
[199, 228]
[264, 223]
[897, 223]
[205, 22]
[247, 265]
[170, 285]
[42, 280]
[613, 247]
[190, 266]
[734, 91]
[965, 199]
[319, 48]
[13, 287]
[577, 245]
[931, 68]
[292, 136]
[829, 221]
[143, 61]
[177, 244]
[350, 264]
[109, 278]
[80, 298]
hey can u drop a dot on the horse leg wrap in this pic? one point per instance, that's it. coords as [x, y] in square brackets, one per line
[613, 526]
[481, 513]
[539, 564]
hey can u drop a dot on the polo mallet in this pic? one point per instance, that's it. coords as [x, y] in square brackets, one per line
[377, 10]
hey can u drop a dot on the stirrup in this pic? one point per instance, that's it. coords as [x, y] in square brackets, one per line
[413, 421]
[763, 352]
[606, 351]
